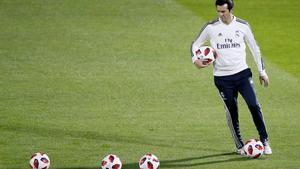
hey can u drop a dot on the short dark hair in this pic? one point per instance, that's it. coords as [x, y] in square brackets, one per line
[228, 2]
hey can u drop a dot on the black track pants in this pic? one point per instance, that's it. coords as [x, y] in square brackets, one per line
[229, 87]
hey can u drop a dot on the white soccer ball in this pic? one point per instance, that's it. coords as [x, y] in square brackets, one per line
[254, 148]
[111, 161]
[39, 161]
[149, 161]
[206, 54]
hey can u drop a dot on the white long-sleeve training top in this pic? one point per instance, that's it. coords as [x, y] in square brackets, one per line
[229, 43]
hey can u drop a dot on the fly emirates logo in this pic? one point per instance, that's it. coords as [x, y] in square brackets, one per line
[228, 44]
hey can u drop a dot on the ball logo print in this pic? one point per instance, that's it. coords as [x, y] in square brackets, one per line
[206, 54]
[39, 161]
[254, 148]
[111, 161]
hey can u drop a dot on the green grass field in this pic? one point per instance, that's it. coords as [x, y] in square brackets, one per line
[81, 79]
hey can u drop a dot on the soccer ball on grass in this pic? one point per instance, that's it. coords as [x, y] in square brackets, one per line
[39, 161]
[149, 161]
[111, 161]
[254, 148]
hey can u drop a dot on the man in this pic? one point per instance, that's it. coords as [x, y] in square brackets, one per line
[227, 35]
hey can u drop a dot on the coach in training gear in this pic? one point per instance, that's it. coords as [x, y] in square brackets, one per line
[227, 35]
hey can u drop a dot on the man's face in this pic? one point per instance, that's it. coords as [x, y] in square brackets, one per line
[224, 13]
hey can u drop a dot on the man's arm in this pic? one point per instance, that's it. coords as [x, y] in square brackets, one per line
[254, 48]
[202, 37]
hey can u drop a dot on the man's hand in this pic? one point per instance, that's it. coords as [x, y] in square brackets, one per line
[201, 64]
[264, 80]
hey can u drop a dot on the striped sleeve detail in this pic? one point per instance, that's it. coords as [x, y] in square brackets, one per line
[214, 21]
[202, 29]
[208, 23]
[242, 21]
[262, 64]
[191, 49]
[254, 48]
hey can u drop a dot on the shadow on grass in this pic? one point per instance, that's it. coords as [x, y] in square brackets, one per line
[176, 163]
[92, 135]
[179, 163]
[191, 162]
